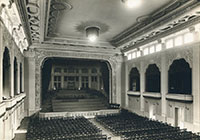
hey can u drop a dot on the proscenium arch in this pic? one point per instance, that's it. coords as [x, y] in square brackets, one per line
[109, 66]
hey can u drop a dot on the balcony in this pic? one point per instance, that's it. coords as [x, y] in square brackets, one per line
[133, 93]
[155, 95]
[179, 97]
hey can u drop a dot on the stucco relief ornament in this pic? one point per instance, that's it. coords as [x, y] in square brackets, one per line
[133, 65]
[186, 54]
[40, 55]
[152, 61]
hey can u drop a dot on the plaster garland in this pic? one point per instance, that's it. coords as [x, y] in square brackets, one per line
[186, 53]
[41, 55]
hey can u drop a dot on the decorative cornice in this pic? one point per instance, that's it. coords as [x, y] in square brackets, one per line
[176, 53]
[2, 115]
[77, 48]
[41, 55]
[20, 4]
[133, 35]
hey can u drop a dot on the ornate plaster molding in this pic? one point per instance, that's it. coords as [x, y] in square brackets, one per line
[152, 59]
[179, 14]
[33, 10]
[177, 53]
[134, 65]
[41, 55]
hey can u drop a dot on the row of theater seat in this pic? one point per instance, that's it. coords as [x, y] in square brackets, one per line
[133, 127]
[69, 128]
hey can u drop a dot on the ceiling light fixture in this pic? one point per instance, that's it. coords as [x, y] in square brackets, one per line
[132, 3]
[92, 33]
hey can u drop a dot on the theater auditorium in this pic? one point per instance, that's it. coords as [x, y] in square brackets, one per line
[99, 70]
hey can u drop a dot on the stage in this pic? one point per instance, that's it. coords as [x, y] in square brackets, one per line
[86, 114]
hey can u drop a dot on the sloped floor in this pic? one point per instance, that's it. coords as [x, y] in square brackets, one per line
[20, 133]
[109, 134]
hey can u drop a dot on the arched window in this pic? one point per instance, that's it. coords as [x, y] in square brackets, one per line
[15, 76]
[180, 77]
[134, 80]
[21, 71]
[6, 74]
[152, 78]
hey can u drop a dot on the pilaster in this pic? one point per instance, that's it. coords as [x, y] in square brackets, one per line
[30, 85]
[62, 78]
[164, 86]
[11, 74]
[18, 77]
[23, 70]
[196, 87]
[126, 84]
[89, 81]
[1, 63]
[98, 82]
[80, 83]
[142, 85]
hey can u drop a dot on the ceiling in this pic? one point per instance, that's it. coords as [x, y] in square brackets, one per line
[64, 21]
[112, 16]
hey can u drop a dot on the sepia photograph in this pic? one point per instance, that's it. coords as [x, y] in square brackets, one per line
[99, 69]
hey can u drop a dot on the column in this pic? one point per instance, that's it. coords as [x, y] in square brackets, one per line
[52, 81]
[89, 78]
[98, 82]
[62, 78]
[80, 82]
[30, 85]
[89, 81]
[11, 74]
[1, 63]
[18, 77]
[196, 87]
[126, 84]
[62, 81]
[23, 75]
[142, 86]
[52, 78]
[164, 86]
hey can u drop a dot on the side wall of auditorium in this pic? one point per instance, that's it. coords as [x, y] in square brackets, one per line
[162, 79]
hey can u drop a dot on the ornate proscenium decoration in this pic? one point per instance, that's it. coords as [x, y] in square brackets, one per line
[92, 33]
[132, 3]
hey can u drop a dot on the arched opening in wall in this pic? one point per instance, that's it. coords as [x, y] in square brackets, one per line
[70, 80]
[15, 76]
[134, 80]
[6, 74]
[152, 78]
[20, 81]
[180, 77]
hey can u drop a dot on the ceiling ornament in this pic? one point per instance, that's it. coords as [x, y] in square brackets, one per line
[143, 18]
[57, 8]
[168, 27]
[33, 10]
[157, 19]
[83, 25]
